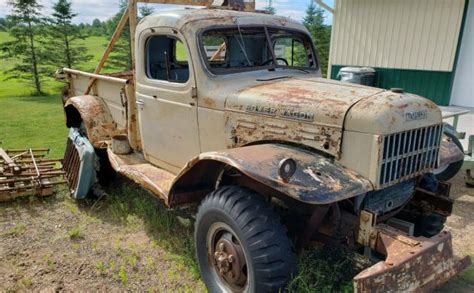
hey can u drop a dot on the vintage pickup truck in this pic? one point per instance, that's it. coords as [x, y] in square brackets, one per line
[226, 110]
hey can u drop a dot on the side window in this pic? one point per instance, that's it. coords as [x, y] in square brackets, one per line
[292, 51]
[166, 59]
[180, 52]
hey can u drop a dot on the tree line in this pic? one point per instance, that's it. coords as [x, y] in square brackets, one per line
[320, 32]
[41, 44]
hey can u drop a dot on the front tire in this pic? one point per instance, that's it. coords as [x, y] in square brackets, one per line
[447, 172]
[430, 225]
[241, 246]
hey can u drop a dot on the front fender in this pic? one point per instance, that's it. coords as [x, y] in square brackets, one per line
[317, 180]
[450, 151]
[95, 115]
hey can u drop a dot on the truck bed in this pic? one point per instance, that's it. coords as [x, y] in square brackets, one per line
[111, 88]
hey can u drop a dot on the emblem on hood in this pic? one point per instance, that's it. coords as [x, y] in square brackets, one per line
[282, 112]
[416, 115]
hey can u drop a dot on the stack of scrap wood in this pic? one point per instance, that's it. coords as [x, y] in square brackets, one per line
[25, 172]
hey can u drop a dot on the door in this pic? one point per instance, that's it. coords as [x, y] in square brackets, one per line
[166, 99]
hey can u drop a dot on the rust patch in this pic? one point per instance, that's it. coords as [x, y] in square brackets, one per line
[99, 123]
[413, 264]
[208, 102]
[135, 167]
[317, 180]
[25, 172]
[253, 128]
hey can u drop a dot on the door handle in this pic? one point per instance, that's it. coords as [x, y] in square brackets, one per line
[140, 102]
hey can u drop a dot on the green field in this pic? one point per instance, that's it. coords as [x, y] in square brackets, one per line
[28, 121]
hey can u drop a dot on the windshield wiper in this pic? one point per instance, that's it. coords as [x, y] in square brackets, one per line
[273, 78]
[242, 45]
[270, 48]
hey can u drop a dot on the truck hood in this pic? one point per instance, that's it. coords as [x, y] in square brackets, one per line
[313, 100]
[314, 111]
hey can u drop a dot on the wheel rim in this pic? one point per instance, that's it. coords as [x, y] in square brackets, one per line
[227, 258]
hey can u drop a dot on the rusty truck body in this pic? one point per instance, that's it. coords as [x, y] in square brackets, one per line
[227, 110]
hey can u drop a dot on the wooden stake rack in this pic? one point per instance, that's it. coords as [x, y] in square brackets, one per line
[130, 15]
[25, 172]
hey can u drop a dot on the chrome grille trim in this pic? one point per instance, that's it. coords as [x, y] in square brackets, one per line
[407, 154]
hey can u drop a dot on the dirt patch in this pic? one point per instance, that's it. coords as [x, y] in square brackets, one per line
[128, 241]
[460, 223]
[56, 244]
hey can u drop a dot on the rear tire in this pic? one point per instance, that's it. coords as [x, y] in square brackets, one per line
[236, 221]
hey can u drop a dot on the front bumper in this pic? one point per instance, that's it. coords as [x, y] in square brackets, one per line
[412, 264]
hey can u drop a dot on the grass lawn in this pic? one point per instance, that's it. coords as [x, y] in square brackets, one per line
[28, 121]
[31, 122]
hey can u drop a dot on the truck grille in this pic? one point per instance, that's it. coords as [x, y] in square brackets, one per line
[71, 165]
[410, 153]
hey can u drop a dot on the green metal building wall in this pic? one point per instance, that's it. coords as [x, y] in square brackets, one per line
[412, 45]
[434, 85]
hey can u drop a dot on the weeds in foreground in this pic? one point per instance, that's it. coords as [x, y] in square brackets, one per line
[467, 276]
[329, 269]
[76, 233]
[16, 230]
[136, 209]
[101, 267]
[122, 275]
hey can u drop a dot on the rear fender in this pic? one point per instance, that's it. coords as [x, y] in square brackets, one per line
[317, 180]
[92, 111]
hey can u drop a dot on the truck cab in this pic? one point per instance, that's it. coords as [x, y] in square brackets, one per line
[226, 110]
[184, 63]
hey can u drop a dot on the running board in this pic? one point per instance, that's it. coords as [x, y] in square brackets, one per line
[135, 167]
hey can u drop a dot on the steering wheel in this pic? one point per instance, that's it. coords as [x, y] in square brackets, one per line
[278, 59]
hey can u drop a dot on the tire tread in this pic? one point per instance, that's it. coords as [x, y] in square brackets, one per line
[274, 260]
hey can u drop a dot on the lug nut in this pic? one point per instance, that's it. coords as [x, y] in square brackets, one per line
[221, 246]
[231, 258]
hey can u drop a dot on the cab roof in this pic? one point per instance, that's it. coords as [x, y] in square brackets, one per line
[209, 16]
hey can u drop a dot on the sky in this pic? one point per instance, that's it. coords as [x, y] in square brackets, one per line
[88, 10]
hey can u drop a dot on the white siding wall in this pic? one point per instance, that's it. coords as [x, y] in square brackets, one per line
[404, 34]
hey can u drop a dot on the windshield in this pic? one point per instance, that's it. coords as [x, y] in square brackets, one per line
[237, 49]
